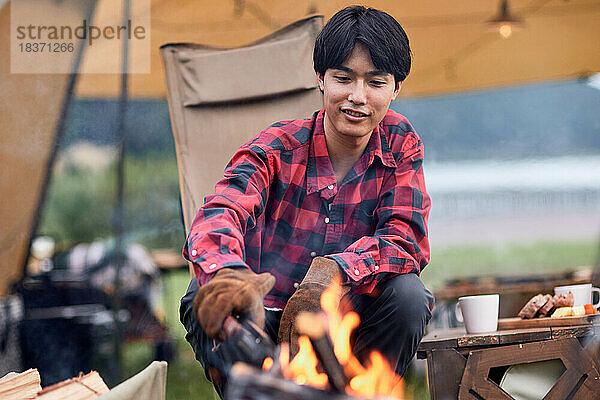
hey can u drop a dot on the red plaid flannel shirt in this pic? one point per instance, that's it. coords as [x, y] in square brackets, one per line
[279, 206]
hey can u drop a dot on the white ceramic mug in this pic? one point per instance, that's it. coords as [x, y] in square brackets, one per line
[479, 313]
[582, 294]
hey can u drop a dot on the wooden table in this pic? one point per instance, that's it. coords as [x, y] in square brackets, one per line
[459, 364]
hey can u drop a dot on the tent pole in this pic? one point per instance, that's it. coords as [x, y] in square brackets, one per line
[58, 135]
[120, 204]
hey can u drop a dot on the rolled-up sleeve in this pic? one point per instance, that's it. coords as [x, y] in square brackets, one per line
[216, 237]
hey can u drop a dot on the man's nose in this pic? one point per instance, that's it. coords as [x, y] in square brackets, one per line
[358, 93]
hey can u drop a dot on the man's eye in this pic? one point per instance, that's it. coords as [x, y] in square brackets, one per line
[342, 78]
[377, 83]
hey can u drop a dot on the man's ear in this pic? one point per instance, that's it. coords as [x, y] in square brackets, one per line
[397, 91]
[320, 81]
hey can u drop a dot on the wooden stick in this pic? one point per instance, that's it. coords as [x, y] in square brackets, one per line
[314, 326]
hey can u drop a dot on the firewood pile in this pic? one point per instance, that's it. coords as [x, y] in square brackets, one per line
[27, 385]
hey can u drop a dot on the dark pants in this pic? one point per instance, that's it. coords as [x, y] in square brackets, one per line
[393, 320]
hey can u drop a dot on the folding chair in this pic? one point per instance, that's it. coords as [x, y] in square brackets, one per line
[220, 98]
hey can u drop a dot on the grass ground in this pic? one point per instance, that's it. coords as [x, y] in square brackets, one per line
[185, 379]
[506, 259]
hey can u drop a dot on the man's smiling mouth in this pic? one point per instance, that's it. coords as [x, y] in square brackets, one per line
[355, 113]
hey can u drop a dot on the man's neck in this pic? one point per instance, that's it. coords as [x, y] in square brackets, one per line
[344, 150]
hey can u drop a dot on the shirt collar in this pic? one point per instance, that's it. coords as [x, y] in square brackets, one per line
[380, 147]
[320, 175]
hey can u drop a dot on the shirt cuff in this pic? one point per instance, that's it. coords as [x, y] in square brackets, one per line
[205, 268]
[356, 267]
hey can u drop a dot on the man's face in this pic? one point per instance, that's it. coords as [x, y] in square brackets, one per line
[356, 95]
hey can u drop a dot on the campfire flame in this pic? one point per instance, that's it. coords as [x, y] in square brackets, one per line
[375, 379]
[267, 364]
[303, 367]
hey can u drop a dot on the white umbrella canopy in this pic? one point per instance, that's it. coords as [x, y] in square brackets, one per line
[453, 48]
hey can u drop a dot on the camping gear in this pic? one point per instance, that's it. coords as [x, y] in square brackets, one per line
[33, 116]
[69, 322]
[11, 314]
[67, 328]
[453, 51]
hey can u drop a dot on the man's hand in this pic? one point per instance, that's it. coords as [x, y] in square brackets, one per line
[321, 273]
[239, 291]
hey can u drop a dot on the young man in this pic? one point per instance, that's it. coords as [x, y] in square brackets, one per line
[341, 194]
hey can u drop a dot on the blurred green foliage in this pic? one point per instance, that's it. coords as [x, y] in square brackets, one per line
[78, 205]
[81, 201]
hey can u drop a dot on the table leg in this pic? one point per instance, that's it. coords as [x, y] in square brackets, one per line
[444, 370]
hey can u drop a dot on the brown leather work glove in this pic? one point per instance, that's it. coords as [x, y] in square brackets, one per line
[321, 273]
[239, 291]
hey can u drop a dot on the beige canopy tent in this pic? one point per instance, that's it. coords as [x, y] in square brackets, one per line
[31, 110]
[452, 47]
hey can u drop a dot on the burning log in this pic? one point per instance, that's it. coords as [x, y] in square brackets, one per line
[324, 346]
[314, 326]
[248, 383]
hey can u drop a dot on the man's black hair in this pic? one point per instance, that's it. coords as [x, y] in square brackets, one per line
[378, 31]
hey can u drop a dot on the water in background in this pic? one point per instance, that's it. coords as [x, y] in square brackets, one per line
[555, 198]
[517, 164]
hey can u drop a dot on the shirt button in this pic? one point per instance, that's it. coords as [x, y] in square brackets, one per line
[194, 252]
[313, 253]
[356, 272]
[326, 220]
[296, 285]
[212, 266]
[330, 187]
